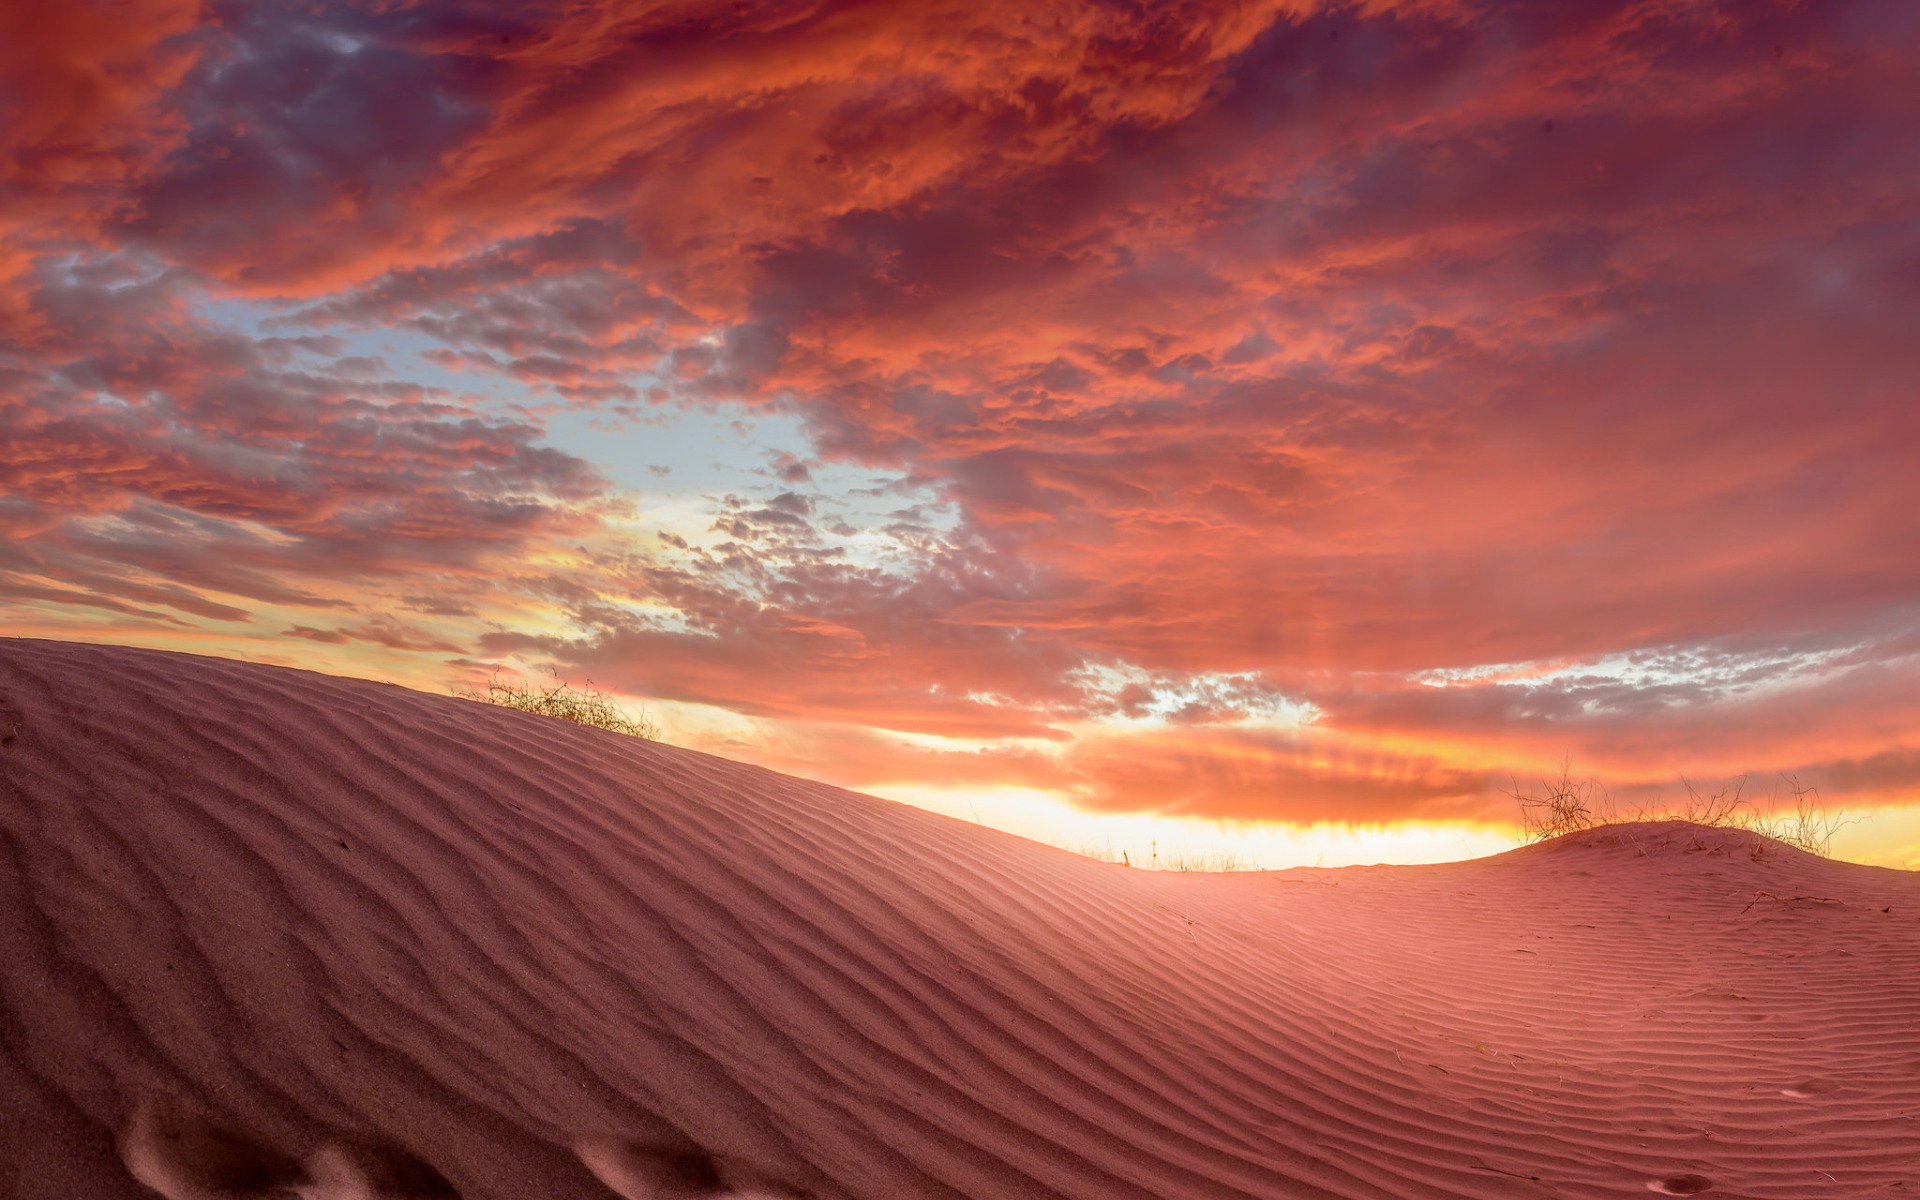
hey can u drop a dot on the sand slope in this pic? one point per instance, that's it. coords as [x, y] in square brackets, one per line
[271, 933]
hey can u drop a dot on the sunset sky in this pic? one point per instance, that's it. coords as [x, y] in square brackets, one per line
[1174, 412]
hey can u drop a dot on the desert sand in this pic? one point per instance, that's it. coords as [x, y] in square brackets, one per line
[265, 932]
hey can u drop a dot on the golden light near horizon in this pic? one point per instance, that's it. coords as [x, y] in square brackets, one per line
[1308, 421]
[1153, 842]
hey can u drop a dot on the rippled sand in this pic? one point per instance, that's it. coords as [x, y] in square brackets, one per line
[266, 933]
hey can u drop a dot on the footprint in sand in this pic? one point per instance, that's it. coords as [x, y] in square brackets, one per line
[183, 1155]
[1806, 1089]
[639, 1171]
[1680, 1185]
[355, 1170]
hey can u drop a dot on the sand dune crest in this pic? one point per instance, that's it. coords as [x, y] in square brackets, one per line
[271, 934]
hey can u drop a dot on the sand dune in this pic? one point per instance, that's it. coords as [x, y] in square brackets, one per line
[271, 933]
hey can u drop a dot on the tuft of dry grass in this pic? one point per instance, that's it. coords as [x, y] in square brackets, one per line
[1564, 805]
[586, 705]
[1218, 860]
[1560, 806]
[1809, 826]
[1154, 860]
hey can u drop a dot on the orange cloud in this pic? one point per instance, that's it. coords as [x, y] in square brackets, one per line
[1495, 380]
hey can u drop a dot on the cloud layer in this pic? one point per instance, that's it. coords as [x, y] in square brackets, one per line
[1296, 410]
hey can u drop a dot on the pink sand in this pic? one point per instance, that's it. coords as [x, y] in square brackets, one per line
[266, 933]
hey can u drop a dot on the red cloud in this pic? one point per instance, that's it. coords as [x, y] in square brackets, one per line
[1319, 347]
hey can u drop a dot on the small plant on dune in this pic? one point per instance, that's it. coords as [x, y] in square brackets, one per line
[1105, 854]
[1559, 806]
[1563, 806]
[582, 705]
[1808, 826]
[1723, 809]
[1218, 860]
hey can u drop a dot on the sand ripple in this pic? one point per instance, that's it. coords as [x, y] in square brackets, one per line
[265, 933]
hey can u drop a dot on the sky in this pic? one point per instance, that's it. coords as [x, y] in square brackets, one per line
[1304, 422]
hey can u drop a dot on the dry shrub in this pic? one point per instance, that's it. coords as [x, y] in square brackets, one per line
[1808, 826]
[1562, 805]
[586, 705]
[1811, 829]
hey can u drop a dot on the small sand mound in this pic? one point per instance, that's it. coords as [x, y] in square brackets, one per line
[265, 933]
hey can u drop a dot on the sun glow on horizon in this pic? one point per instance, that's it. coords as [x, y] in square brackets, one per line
[1153, 841]
[1286, 425]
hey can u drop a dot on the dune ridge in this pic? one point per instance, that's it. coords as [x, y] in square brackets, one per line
[268, 933]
